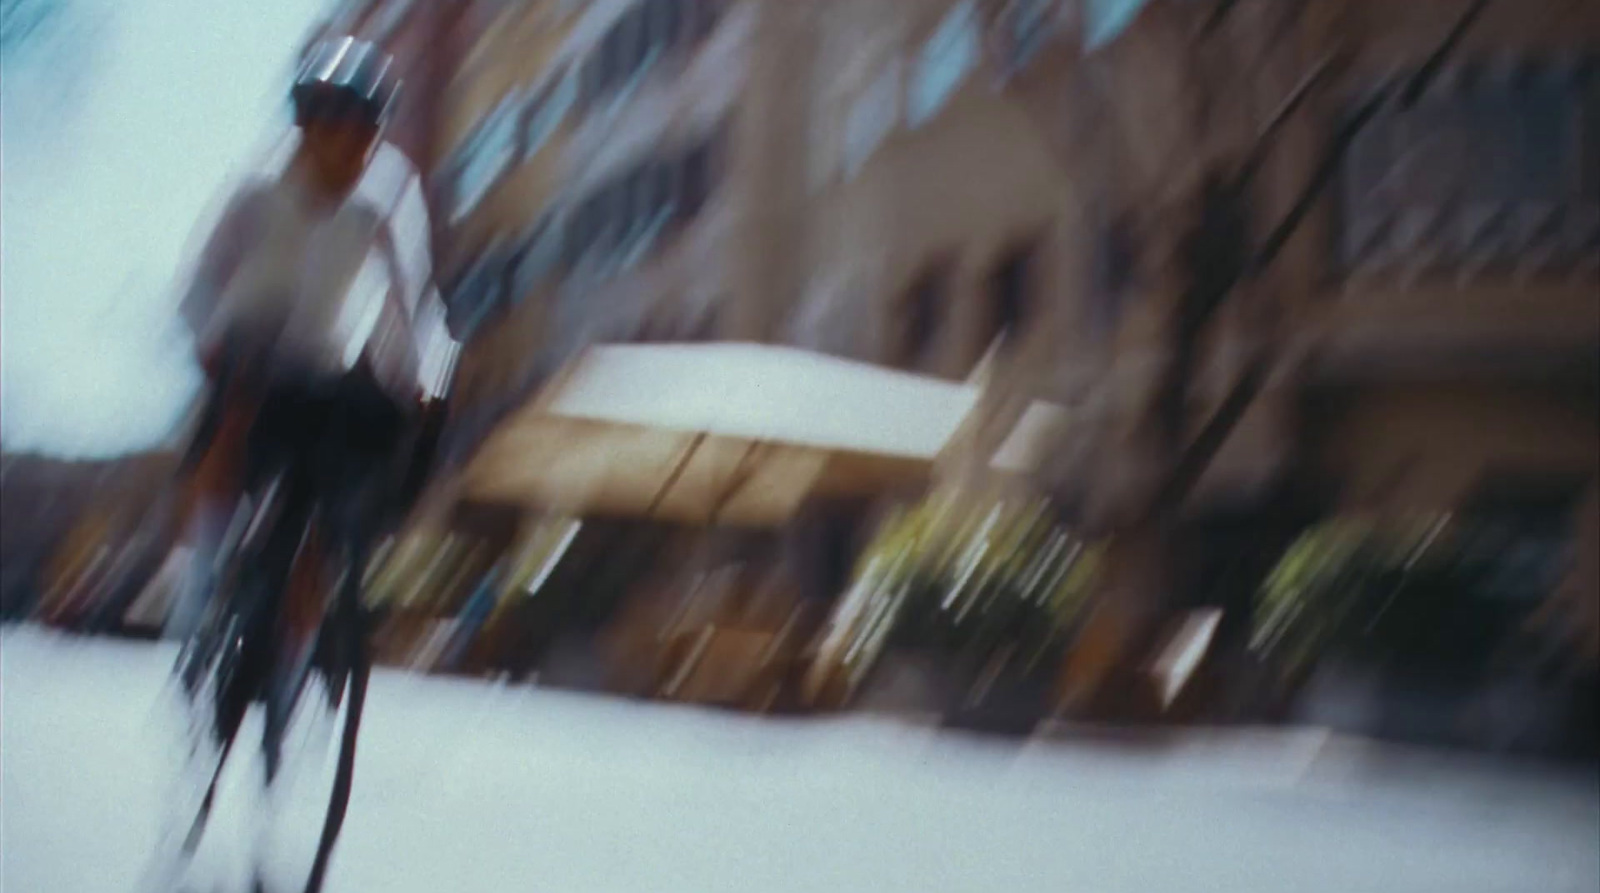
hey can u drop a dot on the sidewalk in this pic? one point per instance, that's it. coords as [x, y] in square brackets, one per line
[471, 786]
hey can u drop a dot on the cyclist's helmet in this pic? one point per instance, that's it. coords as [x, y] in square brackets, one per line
[345, 78]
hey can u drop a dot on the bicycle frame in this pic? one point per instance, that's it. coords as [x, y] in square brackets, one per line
[240, 613]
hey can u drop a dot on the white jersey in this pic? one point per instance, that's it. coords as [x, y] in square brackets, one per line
[325, 284]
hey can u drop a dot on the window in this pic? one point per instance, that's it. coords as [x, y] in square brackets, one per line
[625, 54]
[591, 76]
[1009, 288]
[548, 111]
[1026, 26]
[621, 220]
[657, 203]
[1113, 271]
[1491, 176]
[629, 44]
[600, 70]
[1105, 19]
[485, 157]
[648, 31]
[660, 186]
[665, 22]
[583, 228]
[612, 213]
[540, 253]
[921, 312]
[634, 216]
[946, 59]
[872, 117]
[477, 294]
[694, 183]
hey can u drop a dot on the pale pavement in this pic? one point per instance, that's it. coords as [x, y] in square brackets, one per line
[466, 786]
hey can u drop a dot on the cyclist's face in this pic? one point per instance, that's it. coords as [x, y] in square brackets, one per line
[338, 149]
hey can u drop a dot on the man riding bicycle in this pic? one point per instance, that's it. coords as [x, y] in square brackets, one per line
[302, 310]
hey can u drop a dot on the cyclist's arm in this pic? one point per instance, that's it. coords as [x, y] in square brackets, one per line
[224, 249]
[407, 230]
[406, 238]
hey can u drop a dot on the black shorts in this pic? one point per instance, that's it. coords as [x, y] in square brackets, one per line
[339, 441]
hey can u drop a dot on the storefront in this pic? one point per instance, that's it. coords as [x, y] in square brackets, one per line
[722, 490]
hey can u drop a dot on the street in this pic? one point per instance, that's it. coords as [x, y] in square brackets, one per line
[475, 787]
[1054, 345]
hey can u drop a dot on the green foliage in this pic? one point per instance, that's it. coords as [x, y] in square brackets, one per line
[976, 577]
[1334, 582]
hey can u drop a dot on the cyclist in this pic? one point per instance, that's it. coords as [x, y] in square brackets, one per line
[302, 310]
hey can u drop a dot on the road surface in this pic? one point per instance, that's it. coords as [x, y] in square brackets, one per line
[467, 786]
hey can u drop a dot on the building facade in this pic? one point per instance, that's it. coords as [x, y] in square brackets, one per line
[618, 171]
[959, 188]
[981, 187]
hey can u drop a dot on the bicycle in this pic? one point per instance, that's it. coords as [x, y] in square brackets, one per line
[316, 486]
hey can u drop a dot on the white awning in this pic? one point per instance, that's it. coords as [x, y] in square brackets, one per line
[726, 432]
[757, 392]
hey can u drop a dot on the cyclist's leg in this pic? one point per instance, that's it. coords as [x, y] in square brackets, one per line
[217, 467]
[288, 423]
[301, 607]
[205, 720]
[365, 427]
[290, 428]
[207, 677]
[348, 625]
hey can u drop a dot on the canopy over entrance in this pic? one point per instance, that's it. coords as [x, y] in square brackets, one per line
[732, 433]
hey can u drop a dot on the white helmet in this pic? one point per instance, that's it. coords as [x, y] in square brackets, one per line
[345, 77]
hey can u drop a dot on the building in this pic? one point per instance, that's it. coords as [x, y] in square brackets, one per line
[1433, 338]
[618, 171]
[121, 508]
[930, 183]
